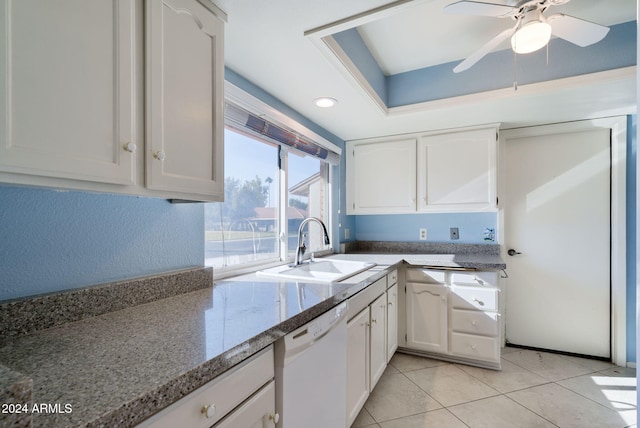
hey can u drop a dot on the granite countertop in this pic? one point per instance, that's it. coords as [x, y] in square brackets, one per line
[120, 367]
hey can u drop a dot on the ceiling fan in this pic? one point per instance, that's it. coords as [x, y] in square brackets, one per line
[532, 29]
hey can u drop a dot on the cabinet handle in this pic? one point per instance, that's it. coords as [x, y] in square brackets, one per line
[480, 302]
[274, 417]
[130, 147]
[373, 321]
[160, 155]
[390, 303]
[209, 411]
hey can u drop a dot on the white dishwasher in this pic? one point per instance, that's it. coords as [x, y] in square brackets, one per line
[311, 373]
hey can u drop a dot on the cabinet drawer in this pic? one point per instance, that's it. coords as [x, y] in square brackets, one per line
[476, 347]
[474, 322]
[225, 392]
[392, 278]
[475, 278]
[426, 276]
[259, 411]
[468, 297]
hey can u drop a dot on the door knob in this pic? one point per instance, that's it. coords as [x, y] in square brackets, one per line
[513, 252]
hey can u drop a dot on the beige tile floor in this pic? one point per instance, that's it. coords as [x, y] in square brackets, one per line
[534, 389]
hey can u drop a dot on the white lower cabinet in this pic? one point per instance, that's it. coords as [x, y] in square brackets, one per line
[370, 329]
[392, 320]
[357, 364]
[378, 339]
[243, 397]
[427, 317]
[454, 315]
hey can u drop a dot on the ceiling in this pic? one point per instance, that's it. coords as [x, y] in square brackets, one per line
[265, 43]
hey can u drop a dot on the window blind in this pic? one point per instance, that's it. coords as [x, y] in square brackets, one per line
[246, 121]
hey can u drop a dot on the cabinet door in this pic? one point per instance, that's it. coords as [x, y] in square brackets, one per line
[427, 317]
[378, 339]
[66, 89]
[381, 177]
[357, 364]
[185, 102]
[392, 321]
[257, 412]
[457, 171]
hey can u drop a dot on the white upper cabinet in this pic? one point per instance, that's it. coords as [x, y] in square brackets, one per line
[185, 101]
[457, 171]
[450, 171]
[66, 91]
[381, 177]
[118, 96]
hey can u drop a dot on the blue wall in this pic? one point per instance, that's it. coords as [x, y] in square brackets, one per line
[562, 59]
[405, 227]
[56, 240]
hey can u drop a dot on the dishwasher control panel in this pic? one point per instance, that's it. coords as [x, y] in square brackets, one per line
[324, 322]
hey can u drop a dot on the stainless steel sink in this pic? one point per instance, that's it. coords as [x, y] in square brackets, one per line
[322, 270]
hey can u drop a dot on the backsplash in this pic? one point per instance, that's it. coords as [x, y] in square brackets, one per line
[472, 227]
[26, 315]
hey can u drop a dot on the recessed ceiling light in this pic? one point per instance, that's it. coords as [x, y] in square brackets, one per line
[325, 102]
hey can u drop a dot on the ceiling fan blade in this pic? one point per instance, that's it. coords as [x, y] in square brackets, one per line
[488, 47]
[575, 30]
[467, 7]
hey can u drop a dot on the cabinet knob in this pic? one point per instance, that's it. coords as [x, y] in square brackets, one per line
[274, 417]
[209, 411]
[390, 303]
[373, 320]
[130, 147]
[160, 155]
[473, 323]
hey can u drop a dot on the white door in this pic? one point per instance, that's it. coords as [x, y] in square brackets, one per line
[427, 317]
[557, 228]
[381, 177]
[457, 171]
[357, 364]
[378, 354]
[392, 321]
[185, 77]
[66, 89]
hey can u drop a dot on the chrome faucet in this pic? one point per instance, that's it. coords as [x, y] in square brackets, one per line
[301, 246]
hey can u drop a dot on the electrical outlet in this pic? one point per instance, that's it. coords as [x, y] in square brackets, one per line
[453, 233]
[423, 234]
[346, 233]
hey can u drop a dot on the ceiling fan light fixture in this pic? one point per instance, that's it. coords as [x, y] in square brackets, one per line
[530, 37]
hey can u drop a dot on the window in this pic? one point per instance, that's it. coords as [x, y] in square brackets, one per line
[270, 187]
